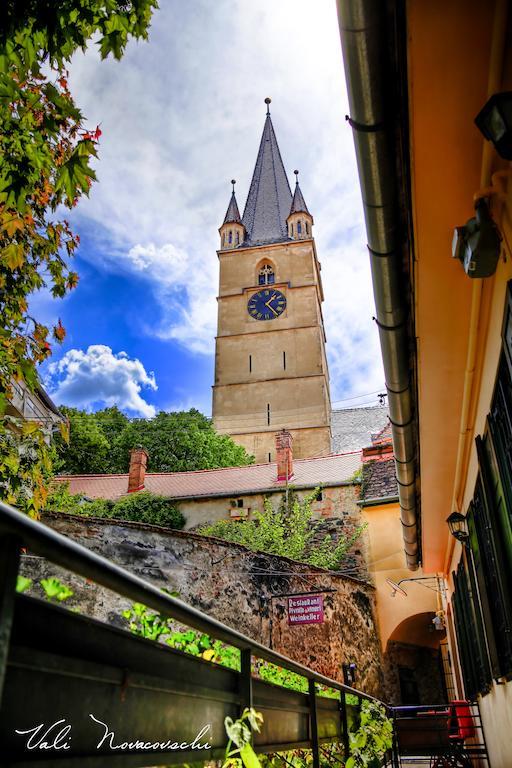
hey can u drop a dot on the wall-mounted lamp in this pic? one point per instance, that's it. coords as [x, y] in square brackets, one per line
[397, 589]
[349, 674]
[458, 526]
[477, 244]
[439, 621]
[494, 121]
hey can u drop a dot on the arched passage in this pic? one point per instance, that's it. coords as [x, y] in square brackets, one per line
[414, 671]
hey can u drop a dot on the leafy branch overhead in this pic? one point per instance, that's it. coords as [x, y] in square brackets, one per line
[46, 157]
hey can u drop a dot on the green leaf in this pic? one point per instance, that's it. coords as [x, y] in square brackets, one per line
[22, 584]
[249, 758]
[13, 256]
[237, 731]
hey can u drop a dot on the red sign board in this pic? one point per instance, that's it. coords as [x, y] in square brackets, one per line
[306, 609]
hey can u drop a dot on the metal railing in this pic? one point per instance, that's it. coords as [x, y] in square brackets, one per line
[40, 646]
[439, 735]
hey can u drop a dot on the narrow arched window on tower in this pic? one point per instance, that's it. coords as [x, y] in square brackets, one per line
[291, 230]
[230, 236]
[299, 228]
[268, 413]
[237, 238]
[266, 275]
[307, 228]
[223, 238]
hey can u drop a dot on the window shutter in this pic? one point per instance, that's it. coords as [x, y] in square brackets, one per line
[479, 589]
[488, 508]
[473, 655]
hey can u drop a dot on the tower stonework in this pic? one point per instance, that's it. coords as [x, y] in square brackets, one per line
[270, 363]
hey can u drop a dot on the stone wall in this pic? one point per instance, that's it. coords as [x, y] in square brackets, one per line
[424, 667]
[243, 589]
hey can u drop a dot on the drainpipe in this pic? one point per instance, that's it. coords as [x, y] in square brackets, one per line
[363, 37]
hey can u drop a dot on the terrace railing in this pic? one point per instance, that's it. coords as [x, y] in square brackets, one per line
[101, 695]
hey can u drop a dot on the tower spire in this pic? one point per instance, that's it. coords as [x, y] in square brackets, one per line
[232, 213]
[298, 202]
[270, 197]
[232, 231]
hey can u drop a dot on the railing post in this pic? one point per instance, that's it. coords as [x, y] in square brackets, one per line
[313, 719]
[344, 723]
[245, 679]
[396, 754]
[9, 564]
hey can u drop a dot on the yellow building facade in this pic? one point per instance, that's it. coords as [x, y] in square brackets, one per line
[443, 193]
[270, 362]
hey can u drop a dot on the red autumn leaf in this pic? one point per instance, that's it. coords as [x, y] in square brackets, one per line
[59, 331]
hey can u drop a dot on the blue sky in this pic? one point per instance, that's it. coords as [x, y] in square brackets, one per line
[181, 115]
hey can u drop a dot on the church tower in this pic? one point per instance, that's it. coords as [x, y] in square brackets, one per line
[270, 363]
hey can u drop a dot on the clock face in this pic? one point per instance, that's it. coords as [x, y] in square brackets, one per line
[267, 304]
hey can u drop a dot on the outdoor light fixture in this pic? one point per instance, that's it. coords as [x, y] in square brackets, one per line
[457, 524]
[494, 121]
[396, 588]
[439, 621]
[349, 673]
[477, 244]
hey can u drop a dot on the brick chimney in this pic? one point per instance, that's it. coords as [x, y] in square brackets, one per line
[284, 452]
[138, 463]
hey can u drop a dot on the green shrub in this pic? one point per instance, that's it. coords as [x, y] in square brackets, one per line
[288, 531]
[140, 507]
[146, 507]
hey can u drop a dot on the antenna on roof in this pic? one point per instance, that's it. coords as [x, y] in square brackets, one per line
[267, 102]
[233, 181]
[296, 177]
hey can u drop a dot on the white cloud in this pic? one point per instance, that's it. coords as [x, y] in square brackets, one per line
[99, 377]
[183, 114]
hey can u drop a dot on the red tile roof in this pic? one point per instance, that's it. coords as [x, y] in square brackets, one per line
[230, 481]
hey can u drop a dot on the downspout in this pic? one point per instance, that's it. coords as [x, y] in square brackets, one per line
[363, 37]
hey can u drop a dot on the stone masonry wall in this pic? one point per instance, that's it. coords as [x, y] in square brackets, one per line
[243, 589]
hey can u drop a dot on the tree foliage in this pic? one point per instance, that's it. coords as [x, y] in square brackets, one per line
[45, 163]
[176, 442]
[287, 530]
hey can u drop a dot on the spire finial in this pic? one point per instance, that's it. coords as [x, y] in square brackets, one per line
[233, 181]
[267, 102]
[296, 177]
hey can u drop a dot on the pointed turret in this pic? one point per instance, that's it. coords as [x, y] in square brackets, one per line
[300, 221]
[270, 197]
[232, 231]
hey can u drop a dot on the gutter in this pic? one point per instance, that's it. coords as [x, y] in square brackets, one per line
[376, 502]
[363, 29]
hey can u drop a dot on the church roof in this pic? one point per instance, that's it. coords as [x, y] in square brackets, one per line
[353, 428]
[232, 214]
[298, 202]
[270, 197]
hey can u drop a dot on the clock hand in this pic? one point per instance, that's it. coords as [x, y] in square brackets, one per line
[271, 308]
